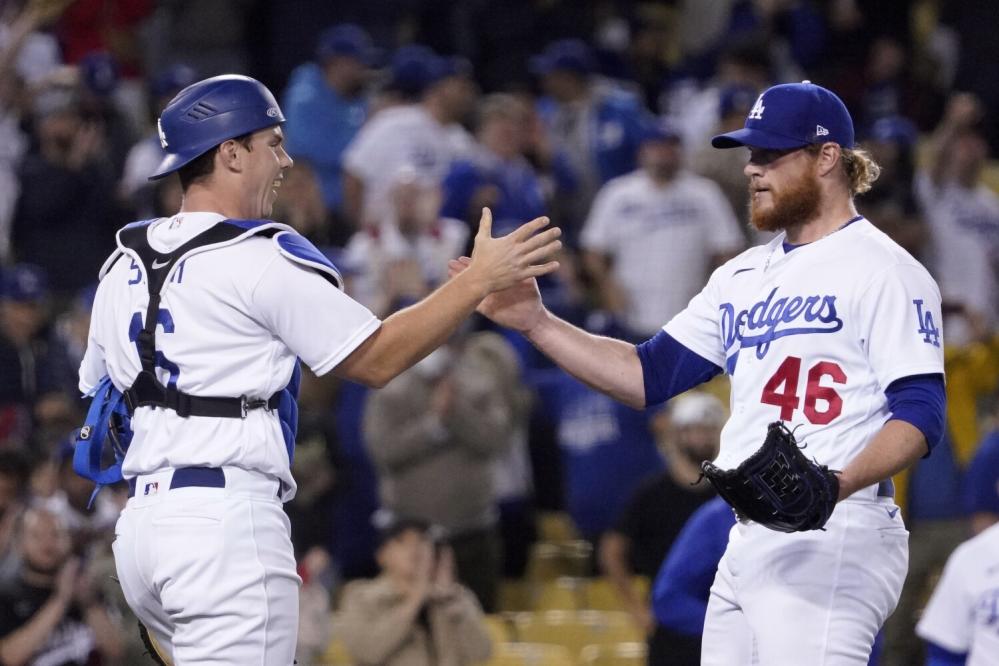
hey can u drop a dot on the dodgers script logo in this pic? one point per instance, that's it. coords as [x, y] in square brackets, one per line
[774, 318]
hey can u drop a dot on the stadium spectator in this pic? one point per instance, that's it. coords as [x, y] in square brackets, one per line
[963, 217]
[658, 215]
[435, 434]
[14, 472]
[891, 202]
[415, 613]
[496, 174]
[27, 396]
[421, 134]
[688, 433]
[403, 260]
[735, 102]
[27, 56]
[65, 219]
[682, 587]
[593, 129]
[135, 190]
[51, 612]
[325, 106]
[981, 485]
[606, 449]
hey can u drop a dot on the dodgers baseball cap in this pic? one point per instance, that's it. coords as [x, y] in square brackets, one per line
[569, 55]
[792, 115]
[659, 129]
[24, 283]
[346, 39]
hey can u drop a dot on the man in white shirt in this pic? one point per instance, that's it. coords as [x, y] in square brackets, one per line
[200, 320]
[421, 134]
[659, 215]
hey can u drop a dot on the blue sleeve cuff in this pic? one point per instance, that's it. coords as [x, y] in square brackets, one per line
[921, 401]
[938, 656]
[669, 368]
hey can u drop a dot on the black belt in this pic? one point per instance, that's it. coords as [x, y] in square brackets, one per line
[186, 477]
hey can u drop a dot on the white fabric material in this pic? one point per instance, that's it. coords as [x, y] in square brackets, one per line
[842, 324]
[372, 250]
[240, 315]
[815, 597]
[964, 230]
[660, 240]
[398, 139]
[211, 571]
[963, 612]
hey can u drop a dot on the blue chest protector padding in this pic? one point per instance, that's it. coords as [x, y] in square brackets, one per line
[108, 420]
[288, 411]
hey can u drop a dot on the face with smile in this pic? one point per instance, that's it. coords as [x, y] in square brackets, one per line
[783, 188]
[264, 163]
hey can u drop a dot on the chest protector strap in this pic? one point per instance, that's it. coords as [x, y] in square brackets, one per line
[147, 390]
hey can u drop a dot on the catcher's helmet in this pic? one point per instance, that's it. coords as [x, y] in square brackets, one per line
[207, 113]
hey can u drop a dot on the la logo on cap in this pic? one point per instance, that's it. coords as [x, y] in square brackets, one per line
[756, 113]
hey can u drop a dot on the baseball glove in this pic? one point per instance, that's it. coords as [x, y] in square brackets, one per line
[777, 486]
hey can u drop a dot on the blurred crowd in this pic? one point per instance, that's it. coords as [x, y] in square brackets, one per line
[405, 119]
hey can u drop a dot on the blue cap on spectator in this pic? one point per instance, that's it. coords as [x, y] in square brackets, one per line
[570, 55]
[894, 129]
[99, 72]
[172, 80]
[346, 39]
[792, 115]
[416, 67]
[736, 97]
[659, 129]
[24, 283]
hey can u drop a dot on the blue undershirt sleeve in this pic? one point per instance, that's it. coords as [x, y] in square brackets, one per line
[669, 368]
[920, 400]
[938, 656]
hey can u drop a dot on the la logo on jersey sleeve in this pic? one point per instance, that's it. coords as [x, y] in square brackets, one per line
[927, 329]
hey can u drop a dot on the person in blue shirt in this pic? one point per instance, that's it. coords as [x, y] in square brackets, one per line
[981, 485]
[682, 586]
[497, 174]
[594, 129]
[325, 105]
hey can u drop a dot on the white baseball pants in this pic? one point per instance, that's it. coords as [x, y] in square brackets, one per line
[211, 571]
[809, 598]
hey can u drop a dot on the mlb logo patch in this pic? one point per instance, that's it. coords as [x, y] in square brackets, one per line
[151, 488]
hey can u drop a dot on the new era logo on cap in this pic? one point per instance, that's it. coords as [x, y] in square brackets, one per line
[797, 114]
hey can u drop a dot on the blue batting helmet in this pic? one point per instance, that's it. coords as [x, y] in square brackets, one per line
[210, 112]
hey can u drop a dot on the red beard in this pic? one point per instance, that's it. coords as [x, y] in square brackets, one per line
[796, 204]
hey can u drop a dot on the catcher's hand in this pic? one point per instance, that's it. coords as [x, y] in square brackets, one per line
[778, 486]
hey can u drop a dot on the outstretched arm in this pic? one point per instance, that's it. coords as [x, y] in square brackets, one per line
[609, 366]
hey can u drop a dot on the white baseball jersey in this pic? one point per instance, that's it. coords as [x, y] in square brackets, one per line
[643, 226]
[396, 139]
[813, 336]
[962, 616]
[233, 320]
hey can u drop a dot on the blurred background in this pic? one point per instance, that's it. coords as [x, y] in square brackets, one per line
[563, 514]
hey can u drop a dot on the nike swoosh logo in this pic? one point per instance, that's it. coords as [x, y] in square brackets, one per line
[742, 270]
[158, 265]
[892, 512]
